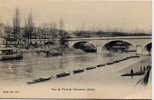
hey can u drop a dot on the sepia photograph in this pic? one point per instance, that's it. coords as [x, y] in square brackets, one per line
[81, 49]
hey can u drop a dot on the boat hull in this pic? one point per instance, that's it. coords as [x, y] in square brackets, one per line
[13, 57]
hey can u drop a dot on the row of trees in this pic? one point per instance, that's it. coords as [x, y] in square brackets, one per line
[29, 31]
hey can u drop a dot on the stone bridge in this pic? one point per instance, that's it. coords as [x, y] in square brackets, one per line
[136, 41]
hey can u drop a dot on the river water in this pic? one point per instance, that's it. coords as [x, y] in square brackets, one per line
[34, 66]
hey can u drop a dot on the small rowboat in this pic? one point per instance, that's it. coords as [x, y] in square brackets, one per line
[133, 74]
[64, 74]
[101, 65]
[78, 71]
[39, 80]
[89, 68]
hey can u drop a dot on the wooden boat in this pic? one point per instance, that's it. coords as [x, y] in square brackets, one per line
[39, 80]
[64, 74]
[116, 61]
[89, 68]
[133, 74]
[10, 54]
[110, 63]
[101, 65]
[78, 71]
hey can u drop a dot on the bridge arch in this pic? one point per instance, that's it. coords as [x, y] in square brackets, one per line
[117, 45]
[148, 47]
[85, 46]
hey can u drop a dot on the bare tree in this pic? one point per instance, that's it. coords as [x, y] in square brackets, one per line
[7, 35]
[29, 28]
[16, 25]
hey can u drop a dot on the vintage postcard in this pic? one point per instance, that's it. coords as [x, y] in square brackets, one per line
[96, 49]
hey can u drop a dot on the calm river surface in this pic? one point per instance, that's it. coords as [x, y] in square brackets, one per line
[34, 66]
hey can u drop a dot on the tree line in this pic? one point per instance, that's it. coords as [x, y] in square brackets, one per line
[18, 35]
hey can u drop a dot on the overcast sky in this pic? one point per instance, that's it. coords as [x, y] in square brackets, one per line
[86, 14]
